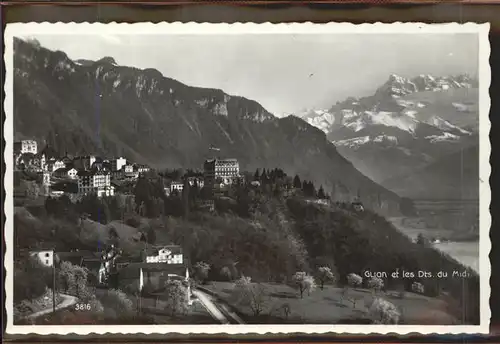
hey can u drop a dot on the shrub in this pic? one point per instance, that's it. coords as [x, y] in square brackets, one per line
[117, 300]
[303, 282]
[384, 312]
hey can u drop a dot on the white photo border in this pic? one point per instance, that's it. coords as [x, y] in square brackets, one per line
[482, 30]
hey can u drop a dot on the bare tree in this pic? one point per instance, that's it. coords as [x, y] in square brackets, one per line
[253, 295]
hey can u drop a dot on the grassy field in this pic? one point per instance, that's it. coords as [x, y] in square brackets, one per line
[328, 306]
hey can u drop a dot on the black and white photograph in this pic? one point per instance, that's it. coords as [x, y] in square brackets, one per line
[270, 178]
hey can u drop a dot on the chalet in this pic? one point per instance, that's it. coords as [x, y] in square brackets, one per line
[84, 162]
[118, 163]
[170, 254]
[54, 164]
[358, 206]
[67, 159]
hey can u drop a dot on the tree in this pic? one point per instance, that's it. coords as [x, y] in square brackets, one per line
[185, 198]
[297, 183]
[421, 240]
[376, 284]
[201, 271]
[226, 272]
[303, 282]
[263, 176]
[321, 193]
[256, 176]
[324, 274]
[253, 295]
[151, 236]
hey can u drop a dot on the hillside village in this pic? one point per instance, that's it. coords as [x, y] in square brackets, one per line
[43, 175]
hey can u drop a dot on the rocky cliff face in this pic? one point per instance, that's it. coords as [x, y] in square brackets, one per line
[97, 106]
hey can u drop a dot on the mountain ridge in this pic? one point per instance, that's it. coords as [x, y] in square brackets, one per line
[114, 110]
[405, 125]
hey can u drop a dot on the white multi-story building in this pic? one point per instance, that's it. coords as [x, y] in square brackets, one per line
[196, 181]
[176, 186]
[97, 182]
[142, 168]
[26, 146]
[225, 171]
[46, 257]
[118, 163]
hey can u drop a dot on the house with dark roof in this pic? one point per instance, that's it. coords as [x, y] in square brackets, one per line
[66, 172]
[77, 257]
[152, 277]
[97, 270]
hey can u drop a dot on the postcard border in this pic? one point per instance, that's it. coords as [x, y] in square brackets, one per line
[24, 29]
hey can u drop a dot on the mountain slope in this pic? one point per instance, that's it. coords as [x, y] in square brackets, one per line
[405, 125]
[455, 176]
[97, 106]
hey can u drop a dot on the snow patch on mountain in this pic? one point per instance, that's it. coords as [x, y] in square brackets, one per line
[444, 137]
[320, 119]
[386, 138]
[354, 142]
[445, 125]
[391, 119]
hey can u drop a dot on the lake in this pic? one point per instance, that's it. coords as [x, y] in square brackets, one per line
[466, 252]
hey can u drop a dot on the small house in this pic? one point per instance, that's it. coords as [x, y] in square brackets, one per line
[45, 256]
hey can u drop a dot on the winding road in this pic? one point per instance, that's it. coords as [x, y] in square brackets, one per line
[67, 301]
[218, 311]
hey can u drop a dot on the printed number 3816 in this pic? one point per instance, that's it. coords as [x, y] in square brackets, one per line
[82, 307]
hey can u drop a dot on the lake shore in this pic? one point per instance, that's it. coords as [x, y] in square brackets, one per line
[464, 251]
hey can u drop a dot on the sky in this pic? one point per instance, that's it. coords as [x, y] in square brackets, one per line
[284, 73]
